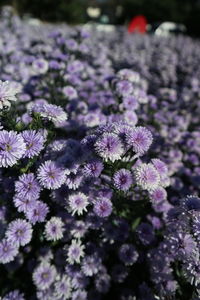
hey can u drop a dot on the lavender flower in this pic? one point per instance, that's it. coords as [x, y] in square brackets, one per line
[70, 92]
[27, 187]
[78, 203]
[14, 295]
[19, 232]
[8, 93]
[8, 251]
[123, 179]
[54, 229]
[51, 112]
[147, 176]
[109, 147]
[34, 142]
[140, 139]
[93, 168]
[44, 275]
[37, 213]
[75, 252]
[128, 254]
[103, 208]
[12, 148]
[63, 288]
[24, 204]
[51, 176]
[40, 66]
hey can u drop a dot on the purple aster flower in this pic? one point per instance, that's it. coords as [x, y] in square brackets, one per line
[109, 147]
[130, 117]
[70, 92]
[63, 288]
[38, 212]
[191, 203]
[44, 275]
[161, 167]
[123, 179]
[124, 88]
[130, 102]
[158, 194]
[128, 254]
[79, 295]
[182, 245]
[51, 176]
[78, 203]
[8, 251]
[93, 168]
[73, 181]
[90, 265]
[12, 148]
[54, 229]
[102, 283]
[19, 232]
[51, 112]
[147, 176]
[34, 142]
[79, 229]
[40, 66]
[140, 139]
[14, 295]
[103, 208]
[27, 187]
[24, 204]
[145, 233]
[8, 93]
[75, 252]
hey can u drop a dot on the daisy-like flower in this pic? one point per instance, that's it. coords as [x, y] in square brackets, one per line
[91, 265]
[8, 91]
[159, 194]
[78, 203]
[38, 212]
[50, 176]
[130, 117]
[51, 112]
[40, 66]
[128, 254]
[161, 167]
[54, 229]
[44, 275]
[8, 251]
[93, 168]
[123, 179]
[14, 295]
[24, 204]
[147, 176]
[63, 288]
[103, 208]
[75, 252]
[124, 88]
[109, 147]
[12, 148]
[34, 142]
[70, 92]
[140, 139]
[19, 232]
[27, 187]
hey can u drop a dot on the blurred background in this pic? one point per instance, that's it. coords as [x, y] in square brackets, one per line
[121, 12]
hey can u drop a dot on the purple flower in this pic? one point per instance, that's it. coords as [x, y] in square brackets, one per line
[44, 275]
[8, 93]
[54, 229]
[130, 102]
[51, 112]
[12, 148]
[145, 233]
[128, 254]
[14, 295]
[90, 265]
[191, 203]
[19, 232]
[78, 203]
[34, 142]
[93, 168]
[103, 208]
[159, 194]
[161, 167]
[124, 88]
[79, 295]
[27, 187]
[37, 213]
[75, 252]
[8, 251]
[63, 288]
[147, 176]
[70, 92]
[51, 176]
[123, 179]
[140, 139]
[130, 117]
[40, 66]
[24, 204]
[109, 147]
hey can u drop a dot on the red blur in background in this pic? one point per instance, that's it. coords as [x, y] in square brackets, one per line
[138, 25]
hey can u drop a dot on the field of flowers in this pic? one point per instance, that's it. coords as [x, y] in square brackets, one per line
[99, 164]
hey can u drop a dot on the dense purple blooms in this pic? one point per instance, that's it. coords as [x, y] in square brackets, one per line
[123, 179]
[34, 142]
[19, 232]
